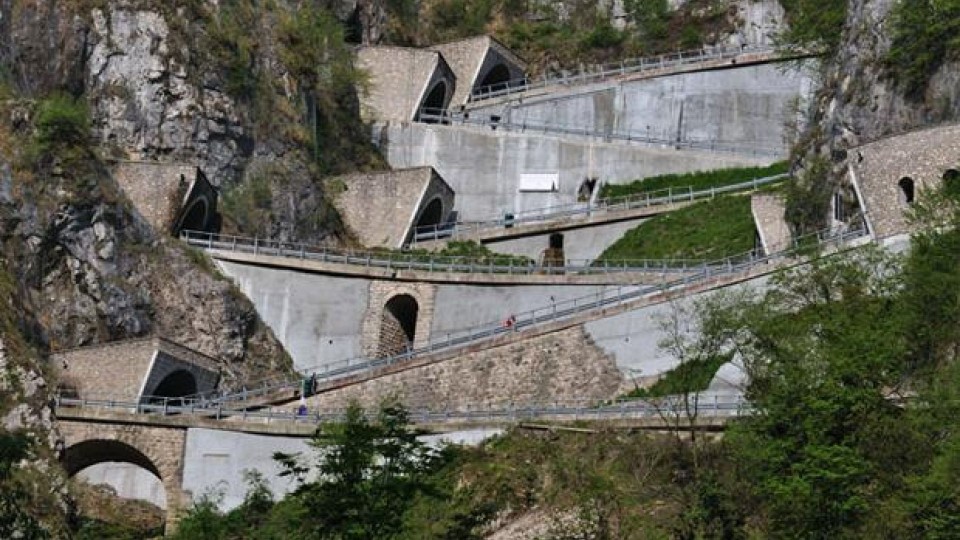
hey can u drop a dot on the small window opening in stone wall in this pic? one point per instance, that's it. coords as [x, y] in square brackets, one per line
[838, 210]
[398, 325]
[907, 189]
[951, 181]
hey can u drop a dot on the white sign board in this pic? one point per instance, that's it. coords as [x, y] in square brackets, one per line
[547, 182]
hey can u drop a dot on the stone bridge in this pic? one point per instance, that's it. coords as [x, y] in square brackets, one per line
[156, 449]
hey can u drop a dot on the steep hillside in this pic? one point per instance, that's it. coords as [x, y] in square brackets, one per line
[255, 93]
[893, 68]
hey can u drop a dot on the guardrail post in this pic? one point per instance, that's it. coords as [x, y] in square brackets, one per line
[256, 247]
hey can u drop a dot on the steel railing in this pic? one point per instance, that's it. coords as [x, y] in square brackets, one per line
[557, 311]
[660, 197]
[616, 69]
[443, 116]
[703, 405]
[494, 265]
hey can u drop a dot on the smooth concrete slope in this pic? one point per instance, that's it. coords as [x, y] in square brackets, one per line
[627, 71]
[741, 107]
[324, 320]
[496, 172]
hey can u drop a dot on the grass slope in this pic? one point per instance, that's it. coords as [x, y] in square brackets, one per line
[697, 180]
[713, 229]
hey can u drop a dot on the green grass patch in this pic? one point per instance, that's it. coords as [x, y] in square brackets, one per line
[714, 229]
[692, 376]
[696, 180]
[468, 252]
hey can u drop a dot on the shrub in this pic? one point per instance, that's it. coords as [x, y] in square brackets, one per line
[62, 121]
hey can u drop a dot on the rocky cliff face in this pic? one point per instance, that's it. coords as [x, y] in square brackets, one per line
[860, 101]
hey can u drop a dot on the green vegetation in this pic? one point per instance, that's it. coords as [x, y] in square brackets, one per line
[692, 376]
[926, 34]
[808, 198]
[463, 252]
[813, 25]
[714, 229]
[854, 381]
[15, 515]
[546, 34]
[62, 123]
[696, 180]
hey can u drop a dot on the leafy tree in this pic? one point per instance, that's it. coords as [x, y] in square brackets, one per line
[15, 518]
[824, 350]
[370, 472]
[813, 25]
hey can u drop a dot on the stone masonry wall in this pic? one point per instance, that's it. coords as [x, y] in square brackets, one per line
[877, 168]
[164, 447]
[768, 216]
[111, 370]
[155, 189]
[564, 365]
[373, 320]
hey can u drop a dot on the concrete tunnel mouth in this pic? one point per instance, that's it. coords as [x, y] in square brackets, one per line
[399, 325]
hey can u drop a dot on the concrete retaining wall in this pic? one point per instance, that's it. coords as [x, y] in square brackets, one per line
[744, 106]
[484, 166]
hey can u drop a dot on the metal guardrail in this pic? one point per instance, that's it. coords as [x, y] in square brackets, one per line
[505, 265]
[704, 405]
[557, 311]
[616, 69]
[442, 116]
[660, 197]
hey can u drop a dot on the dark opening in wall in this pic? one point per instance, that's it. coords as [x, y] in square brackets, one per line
[907, 188]
[951, 181]
[434, 104]
[432, 215]
[197, 217]
[398, 326]
[498, 74]
[180, 383]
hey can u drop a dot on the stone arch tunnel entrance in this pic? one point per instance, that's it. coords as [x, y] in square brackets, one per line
[398, 326]
[431, 216]
[435, 103]
[498, 75]
[178, 384]
[196, 218]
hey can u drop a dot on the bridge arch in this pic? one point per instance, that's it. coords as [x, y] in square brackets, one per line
[157, 450]
[398, 327]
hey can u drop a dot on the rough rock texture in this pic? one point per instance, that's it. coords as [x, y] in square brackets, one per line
[94, 271]
[859, 102]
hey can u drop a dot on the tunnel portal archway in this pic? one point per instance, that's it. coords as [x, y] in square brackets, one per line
[196, 218]
[398, 327]
[431, 216]
[498, 75]
[178, 384]
[435, 103]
